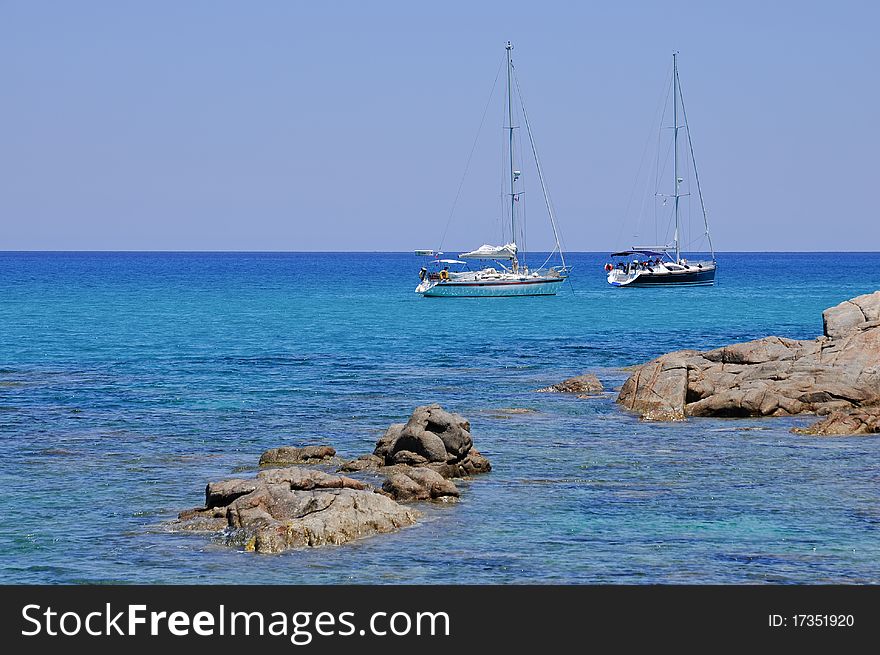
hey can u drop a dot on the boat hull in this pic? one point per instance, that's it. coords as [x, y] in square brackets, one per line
[491, 289]
[691, 278]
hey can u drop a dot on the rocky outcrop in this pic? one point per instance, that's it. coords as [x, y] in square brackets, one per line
[288, 455]
[295, 507]
[773, 376]
[433, 438]
[859, 420]
[850, 315]
[583, 385]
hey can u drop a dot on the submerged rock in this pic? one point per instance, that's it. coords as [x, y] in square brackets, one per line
[287, 455]
[504, 412]
[772, 376]
[295, 507]
[859, 420]
[583, 385]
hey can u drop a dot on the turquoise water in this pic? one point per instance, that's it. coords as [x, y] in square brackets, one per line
[127, 381]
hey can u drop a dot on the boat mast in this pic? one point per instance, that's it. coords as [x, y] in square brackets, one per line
[515, 263]
[675, 149]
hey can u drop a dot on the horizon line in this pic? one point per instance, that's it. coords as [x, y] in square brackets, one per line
[386, 252]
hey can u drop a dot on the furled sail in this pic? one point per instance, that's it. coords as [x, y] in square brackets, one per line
[486, 251]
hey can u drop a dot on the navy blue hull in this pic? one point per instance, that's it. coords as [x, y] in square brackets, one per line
[696, 277]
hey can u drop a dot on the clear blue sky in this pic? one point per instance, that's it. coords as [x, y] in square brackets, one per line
[346, 125]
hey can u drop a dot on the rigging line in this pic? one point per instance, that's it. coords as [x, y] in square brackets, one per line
[658, 174]
[696, 174]
[470, 156]
[524, 217]
[505, 219]
[538, 167]
[642, 160]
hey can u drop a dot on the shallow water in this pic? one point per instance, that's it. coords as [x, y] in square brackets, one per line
[128, 380]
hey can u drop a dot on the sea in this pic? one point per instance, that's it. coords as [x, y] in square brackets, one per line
[130, 380]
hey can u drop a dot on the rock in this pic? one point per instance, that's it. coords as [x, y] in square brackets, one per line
[220, 494]
[859, 420]
[772, 376]
[585, 385]
[401, 487]
[283, 519]
[432, 439]
[287, 455]
[842, 319]
[411, 458]
[363, 463]
[385, 445]
[295, 507]
[201, 520]
[658, 389]
[472, 464]
[435, 433]
[422, 443]
[419, 484]
[435, 439]
[300, 479]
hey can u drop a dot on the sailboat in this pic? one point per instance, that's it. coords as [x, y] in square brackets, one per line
[664, 265]
[503, 269]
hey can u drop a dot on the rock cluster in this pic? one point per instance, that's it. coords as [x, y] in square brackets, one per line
[772, 376]
[433, 439]
[293, 507]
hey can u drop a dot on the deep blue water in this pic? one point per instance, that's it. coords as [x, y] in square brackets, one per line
[128, 380]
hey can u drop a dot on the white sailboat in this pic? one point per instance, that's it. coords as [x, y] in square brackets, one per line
[652, 266]
[504, 270]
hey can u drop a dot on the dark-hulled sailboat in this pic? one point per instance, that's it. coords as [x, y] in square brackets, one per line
[653, 266]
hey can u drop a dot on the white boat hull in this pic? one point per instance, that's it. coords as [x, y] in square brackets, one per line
[489, 288]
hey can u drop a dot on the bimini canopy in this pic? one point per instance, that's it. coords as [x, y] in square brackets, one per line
[448, 261]
[627, 253]
[507, 251]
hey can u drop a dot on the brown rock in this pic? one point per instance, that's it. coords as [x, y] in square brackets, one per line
[767, 377]
[295, 507]
[845, 318]
[300, 479]
[429, 421]
[287, 455]
[220, 494]
[385, 445]
[432, 446]
[419, 483]
[363, 463]
[853, 421]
